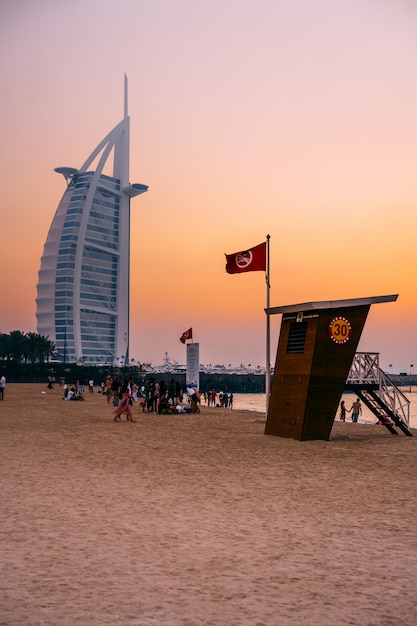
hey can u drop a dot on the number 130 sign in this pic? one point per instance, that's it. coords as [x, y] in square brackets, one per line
[340, 330]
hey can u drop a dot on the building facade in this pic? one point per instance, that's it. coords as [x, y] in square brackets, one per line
[84, 278]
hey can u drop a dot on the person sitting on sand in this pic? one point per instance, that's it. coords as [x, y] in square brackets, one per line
[70, 395]
[124, 407]
[163, 405]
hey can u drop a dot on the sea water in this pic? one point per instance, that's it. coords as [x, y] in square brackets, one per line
[257, 402]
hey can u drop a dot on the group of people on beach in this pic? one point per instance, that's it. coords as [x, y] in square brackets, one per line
[355, 409]
[158, 397]
[152, 396]
[75, 391]
[219, 399]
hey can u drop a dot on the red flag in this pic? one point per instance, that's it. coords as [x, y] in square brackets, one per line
[187, 335]
[252, 260]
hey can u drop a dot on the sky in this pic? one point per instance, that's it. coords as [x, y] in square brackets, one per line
[290, 119]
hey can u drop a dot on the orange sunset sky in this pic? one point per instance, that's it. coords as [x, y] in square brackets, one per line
[295, 119]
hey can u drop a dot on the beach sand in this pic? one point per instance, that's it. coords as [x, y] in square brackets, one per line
[200, 519]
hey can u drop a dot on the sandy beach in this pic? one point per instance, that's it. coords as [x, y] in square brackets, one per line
[184, 520]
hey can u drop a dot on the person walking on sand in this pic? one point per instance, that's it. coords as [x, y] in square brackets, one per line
[2, 386]
[116, 391]
[356, 409]
[343, 410]
[108, 388]
[124, 407]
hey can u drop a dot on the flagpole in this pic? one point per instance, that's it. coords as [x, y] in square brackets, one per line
[268, 329]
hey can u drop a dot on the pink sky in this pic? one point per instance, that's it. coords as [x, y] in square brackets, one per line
[294, 119]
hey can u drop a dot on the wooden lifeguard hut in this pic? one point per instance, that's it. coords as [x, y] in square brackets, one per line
[317, 344]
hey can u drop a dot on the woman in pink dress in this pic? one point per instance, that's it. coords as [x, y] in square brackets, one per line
[124, 407]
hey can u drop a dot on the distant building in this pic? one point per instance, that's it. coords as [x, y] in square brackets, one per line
[83, 287]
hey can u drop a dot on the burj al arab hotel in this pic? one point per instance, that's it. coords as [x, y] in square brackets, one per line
[83, 287]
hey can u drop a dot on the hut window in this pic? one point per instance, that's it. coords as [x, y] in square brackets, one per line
[297, 338]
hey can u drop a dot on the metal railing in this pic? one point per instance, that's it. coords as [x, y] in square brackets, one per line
[365, 371]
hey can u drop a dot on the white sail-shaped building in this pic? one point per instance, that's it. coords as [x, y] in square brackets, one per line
[83, 287]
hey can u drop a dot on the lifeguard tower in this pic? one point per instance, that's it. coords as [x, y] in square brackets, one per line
[317, 345]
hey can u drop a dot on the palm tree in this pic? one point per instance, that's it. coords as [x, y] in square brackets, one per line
[4, 346]
[48, 348]
[33, 347]
[17, 345]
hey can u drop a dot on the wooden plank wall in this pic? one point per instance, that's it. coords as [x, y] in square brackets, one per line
[307, 387]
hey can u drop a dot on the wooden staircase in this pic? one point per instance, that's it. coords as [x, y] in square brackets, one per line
[379, 393]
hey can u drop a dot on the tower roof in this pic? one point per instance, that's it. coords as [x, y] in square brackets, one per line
[330, 304]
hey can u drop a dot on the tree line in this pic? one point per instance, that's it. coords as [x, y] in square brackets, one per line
[21, 347]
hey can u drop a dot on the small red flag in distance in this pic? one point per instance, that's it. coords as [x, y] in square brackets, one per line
[187, 335]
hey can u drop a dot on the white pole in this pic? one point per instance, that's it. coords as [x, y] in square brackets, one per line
[268, 330]
[125, 98]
